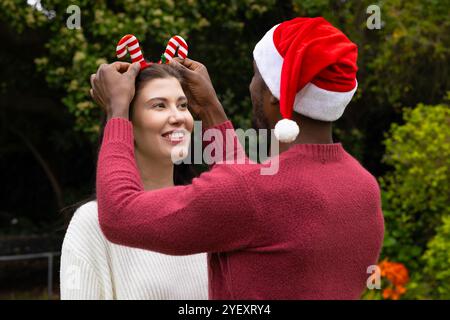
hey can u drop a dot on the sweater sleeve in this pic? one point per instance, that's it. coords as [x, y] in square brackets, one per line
[213, 214]
[85, 272]
[78, 279]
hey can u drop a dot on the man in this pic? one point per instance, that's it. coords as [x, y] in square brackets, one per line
[310, 231]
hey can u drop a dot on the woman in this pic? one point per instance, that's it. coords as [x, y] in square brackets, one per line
[94, 268]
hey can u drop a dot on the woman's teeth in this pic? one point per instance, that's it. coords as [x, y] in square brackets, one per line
[175, 136]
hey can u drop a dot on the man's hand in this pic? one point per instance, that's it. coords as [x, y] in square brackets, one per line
[202, 98]
[113, 87]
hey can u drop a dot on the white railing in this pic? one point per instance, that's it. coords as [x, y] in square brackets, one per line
[48, 255]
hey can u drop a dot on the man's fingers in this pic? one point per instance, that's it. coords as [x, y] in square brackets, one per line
[193, 66]
[177, 65]
[177, 59]
[93, 95]
[95, 98]
[188, 63]
[120, 66]
[134, 70]
[185, 72]
[92, 80]
[100, 67]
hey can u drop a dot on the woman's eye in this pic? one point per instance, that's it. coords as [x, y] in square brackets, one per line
[184, 106]
[158, 106]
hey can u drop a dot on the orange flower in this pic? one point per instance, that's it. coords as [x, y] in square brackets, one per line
[387, 293]
[400, 290]
[397, 275]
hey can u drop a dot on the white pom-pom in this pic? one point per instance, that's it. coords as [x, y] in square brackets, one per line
[286, 130]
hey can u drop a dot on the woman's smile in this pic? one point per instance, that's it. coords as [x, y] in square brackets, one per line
[162, 122]
[175, 137]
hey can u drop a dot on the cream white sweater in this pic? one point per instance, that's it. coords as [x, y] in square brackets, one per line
[94, 268]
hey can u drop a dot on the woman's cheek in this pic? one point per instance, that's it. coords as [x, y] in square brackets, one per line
[189, 122]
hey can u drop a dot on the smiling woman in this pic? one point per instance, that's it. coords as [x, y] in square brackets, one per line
[94, 268]
[162, 123]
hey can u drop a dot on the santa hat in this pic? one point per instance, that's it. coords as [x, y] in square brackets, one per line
[310, 66]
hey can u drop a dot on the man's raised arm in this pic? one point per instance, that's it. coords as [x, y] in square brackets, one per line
[213, 214]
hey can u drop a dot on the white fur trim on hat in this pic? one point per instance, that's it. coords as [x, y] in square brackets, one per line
[286, 130]
[311, 101]
[321, 104]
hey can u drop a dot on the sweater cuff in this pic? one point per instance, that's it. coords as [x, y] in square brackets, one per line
[118, 130]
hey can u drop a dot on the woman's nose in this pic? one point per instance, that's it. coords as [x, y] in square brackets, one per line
[176, 116]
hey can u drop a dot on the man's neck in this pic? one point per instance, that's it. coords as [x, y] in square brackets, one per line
[311, 132]
[155, 174]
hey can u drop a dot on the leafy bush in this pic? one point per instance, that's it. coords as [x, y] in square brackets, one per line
[437, 263]
[416, 194]
[73, 54]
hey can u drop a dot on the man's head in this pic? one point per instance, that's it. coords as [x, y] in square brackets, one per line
[266, 108]
[304, 65]
[266, 114]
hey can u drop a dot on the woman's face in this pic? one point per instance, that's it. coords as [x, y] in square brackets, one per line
[161, 120]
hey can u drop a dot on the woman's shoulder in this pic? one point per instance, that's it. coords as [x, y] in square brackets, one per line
[86, 217]
[84, 228]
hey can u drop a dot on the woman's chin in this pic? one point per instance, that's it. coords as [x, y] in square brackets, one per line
[179, 152]
[176, 150]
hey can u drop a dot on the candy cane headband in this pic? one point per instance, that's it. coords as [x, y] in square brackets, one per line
[130, 43]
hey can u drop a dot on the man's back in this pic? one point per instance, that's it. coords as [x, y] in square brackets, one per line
[309, 231]
[322, 227]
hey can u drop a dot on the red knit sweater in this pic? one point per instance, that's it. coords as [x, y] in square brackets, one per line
[308, 232]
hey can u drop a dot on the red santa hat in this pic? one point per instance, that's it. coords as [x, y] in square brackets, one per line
[310, 66]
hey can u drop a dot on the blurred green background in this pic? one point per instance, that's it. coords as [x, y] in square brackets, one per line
[397, 126]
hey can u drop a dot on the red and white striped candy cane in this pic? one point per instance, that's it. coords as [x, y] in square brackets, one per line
[176, 42]
[131, 44]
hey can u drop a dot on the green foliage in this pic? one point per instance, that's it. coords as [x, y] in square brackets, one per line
[415, 33]
[417, 192]
[72, 55]
[437, 262]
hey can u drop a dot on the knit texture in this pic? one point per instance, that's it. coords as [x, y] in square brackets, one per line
[94, 268]
[308, 232]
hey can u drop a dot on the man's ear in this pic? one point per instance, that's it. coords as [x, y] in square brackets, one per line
[274, 101]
